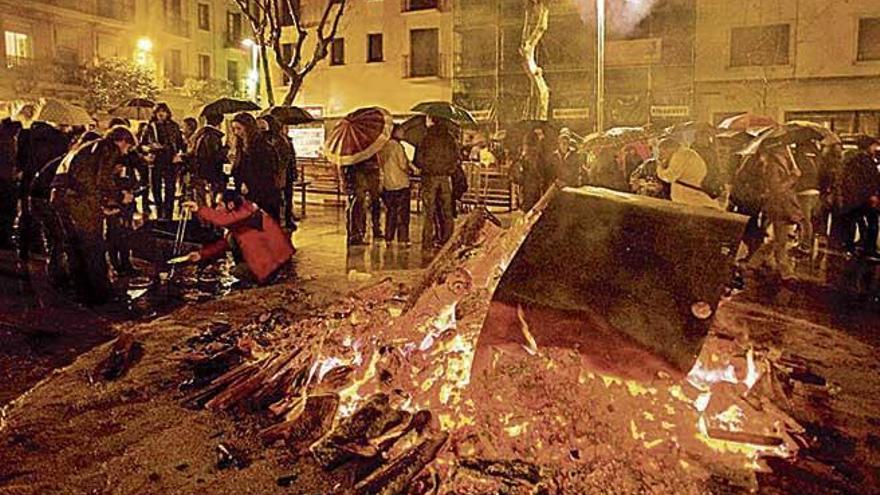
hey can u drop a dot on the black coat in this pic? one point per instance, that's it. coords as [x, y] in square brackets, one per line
[860, 181]
[38, 146]
[166, 140]
[209, 154]
[256, 169]
[437, 154]
[90, 184]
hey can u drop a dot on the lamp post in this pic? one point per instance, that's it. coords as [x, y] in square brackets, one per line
[253, 77]
[600, 65]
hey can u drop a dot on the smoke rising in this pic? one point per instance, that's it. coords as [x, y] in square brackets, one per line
[622, 16]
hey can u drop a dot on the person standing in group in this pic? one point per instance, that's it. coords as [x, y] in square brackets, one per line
[163, 140]
[37, 145]
[208, 154]
[190, 126]
[365, 184]
[276, 136]
[535, 174]
[437, 158]
[684, 170]
[806, 157]
[88, 193]
[8, 134]
[565, 160]
[859, 198]
[256, 165]
[395, 189]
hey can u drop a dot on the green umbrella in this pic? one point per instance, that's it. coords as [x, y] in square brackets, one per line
[445, 110]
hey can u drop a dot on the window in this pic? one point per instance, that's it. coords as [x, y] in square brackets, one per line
[410, 5]
[759, 45]
[174, 67]
[173, 9]
[19, 48]
[232, 74]
[204, 17]
[374, 48]
[337, 51]
[869, 39]
[424, 45]
[204, 66]
[233, 28]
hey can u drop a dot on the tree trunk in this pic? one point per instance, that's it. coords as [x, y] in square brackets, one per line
[296, 82]
[270, 93]
[534, 27]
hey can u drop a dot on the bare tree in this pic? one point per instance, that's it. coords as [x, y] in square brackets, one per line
[266, 19]
[537, 13]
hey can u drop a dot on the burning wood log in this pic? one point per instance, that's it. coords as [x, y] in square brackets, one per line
[509, 469]
[123, 354]
[311, 424]
[350, 439]
[396, 477]
[199, 399]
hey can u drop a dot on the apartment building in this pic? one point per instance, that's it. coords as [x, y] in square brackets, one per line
[46, 42]
[388, 53]
[791, 59]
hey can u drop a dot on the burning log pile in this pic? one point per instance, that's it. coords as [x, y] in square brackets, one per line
[385, 382]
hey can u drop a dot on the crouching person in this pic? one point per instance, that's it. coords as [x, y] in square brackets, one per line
[254, 236]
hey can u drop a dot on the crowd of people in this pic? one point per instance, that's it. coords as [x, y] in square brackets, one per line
[79, 195]
[790, 192]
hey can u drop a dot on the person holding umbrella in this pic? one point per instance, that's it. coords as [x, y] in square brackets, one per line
[274, 132]
[256, 163]
[163, 140]
[209, 154]
[437, 158]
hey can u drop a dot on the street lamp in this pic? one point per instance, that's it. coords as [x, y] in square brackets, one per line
[143, 51]
[253, 76]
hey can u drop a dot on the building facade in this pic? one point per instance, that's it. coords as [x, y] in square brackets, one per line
[790, 59]
[648, 65]
[193, 46]
[388, 53]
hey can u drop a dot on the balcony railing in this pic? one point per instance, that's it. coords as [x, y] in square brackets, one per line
[12, 62]
[120, 10]
[433, 68]
[420, 5]
[47, 71]
[177, 26]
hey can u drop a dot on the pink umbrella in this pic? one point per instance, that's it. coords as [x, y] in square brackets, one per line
[360, 135]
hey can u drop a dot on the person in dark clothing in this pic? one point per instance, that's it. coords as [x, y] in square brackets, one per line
[860, 189]
[365, 191]
[437, 158]
[808, 189]
[277, 137]
[9, 130]
[86, 196]
[536, 172]
[209, 154]
[606, 171]
[120, 222]
[37, 146]
[255, 165]
[163, 141]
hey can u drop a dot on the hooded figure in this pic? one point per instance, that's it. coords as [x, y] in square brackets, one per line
[262, 244]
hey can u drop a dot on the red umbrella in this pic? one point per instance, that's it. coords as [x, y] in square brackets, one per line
[746, 121]
[360, 135]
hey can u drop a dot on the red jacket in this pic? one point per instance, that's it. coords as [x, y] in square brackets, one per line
[264, 250]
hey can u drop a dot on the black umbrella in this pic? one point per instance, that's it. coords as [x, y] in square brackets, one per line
[445, 110]
[414, 129]
[783, 135]
[224, 106]
[289, 115]
[135, 108]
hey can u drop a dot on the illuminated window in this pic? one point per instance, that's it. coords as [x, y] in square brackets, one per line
[19, 48]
